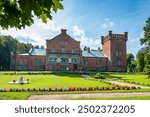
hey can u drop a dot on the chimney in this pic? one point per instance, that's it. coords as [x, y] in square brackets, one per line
[102, 39]
[88, 50]
[63, 31]
[110, 33]
[126, 35]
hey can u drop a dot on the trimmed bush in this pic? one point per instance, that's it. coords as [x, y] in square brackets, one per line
[99, 76]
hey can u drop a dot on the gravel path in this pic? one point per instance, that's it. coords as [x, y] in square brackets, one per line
[92, 95]
[127, 84]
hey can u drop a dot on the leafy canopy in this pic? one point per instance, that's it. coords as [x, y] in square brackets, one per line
[146, 39]
[20, 13]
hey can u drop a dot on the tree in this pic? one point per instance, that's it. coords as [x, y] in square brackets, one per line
[42, 47]
[7, 45]
[147, 62]
[133, 66]
[36, 46]
[140, 59]
[20, 13]
[146, 41]
[130, 59]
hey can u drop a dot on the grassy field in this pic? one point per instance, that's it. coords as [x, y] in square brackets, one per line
[65, 80]
[137, 78]
[26, 95]
[49, 81]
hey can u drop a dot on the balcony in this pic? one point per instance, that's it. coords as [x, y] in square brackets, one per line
[64, 52]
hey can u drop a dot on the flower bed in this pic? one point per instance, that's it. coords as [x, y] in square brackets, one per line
[70, 89]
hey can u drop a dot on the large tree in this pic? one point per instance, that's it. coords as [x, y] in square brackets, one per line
[146, 41]
[20, 13]
[140, 59]
[146, 38]
[130, 59]
[7, 45]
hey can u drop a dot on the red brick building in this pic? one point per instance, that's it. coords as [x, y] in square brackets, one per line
[63, 53]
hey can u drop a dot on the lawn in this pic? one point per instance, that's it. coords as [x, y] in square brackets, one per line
[65, 80]
[137, 78]
[59, 80]
[26, 95]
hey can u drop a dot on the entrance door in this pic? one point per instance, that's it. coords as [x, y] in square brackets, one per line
[75, 66]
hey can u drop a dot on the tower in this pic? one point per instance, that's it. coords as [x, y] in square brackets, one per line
[114, 46]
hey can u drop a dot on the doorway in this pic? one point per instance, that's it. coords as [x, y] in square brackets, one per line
[75, 66]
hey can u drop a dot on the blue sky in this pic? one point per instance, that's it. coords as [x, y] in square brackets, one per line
[88, 20]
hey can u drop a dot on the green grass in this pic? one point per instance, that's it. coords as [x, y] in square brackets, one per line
[137, 78]
[49, 81]
[63, 80]
[26, 95]
[14, 95]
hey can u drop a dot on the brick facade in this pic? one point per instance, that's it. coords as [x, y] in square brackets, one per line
[63, 53]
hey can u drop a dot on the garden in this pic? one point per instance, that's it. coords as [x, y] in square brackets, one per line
[64, 83]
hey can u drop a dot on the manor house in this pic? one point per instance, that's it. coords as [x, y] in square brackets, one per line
[64, 53]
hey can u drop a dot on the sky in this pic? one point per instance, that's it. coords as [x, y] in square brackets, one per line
[88, 20]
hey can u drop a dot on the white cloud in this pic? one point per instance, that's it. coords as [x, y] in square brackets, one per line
[79, 34]
[50, 25]
[136, 39]
[25, 33]
[108, 24]
[35, 32]
[77, 31]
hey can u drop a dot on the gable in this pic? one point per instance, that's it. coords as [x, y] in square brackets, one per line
[63, 40]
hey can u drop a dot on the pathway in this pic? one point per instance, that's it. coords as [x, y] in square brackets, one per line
[92, 95]
[126, 84]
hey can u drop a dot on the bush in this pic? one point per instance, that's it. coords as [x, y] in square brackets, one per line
[99, 76]
[149, 76]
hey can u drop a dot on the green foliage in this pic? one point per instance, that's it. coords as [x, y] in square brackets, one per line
[7, 45]
[147, 62]
[131, 64]
[141, 59]
[99, 76]
[146, 55]
[49, 81]
[146, 39]
[20, 13]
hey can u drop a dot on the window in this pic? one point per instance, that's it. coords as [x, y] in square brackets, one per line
[118, 62]
[37, 61]
[63, 42]
[118, 45]
[75, 60]
[85, 62]
[53, 50]
[52, 60]
[74, 51]
[98, 62]
[62, 50]
[64, 60]
[21, 61]
[118, 53]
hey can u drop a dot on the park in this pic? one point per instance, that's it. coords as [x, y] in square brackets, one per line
[104, 54]
[53, 83]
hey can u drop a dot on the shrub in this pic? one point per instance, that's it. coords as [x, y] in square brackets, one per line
[49, 89]
[99, 76]
[113, 87]
[149, 76]
[107, 88]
